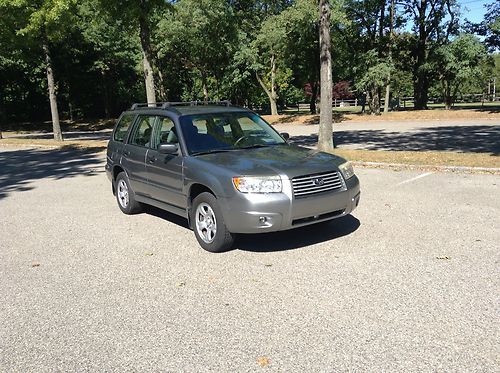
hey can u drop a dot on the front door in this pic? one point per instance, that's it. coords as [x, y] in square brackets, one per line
[135, 151]
[165, 170]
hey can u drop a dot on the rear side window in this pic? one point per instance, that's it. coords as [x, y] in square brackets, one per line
[143, 130]
[122, 127]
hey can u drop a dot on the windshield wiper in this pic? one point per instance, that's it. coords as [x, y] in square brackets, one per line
[211, 151]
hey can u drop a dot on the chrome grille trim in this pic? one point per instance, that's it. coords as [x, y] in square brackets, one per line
[304, 186]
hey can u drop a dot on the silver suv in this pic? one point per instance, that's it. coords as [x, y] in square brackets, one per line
[224, 169]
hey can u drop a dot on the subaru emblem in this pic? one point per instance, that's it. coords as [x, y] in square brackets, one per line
[318, 181]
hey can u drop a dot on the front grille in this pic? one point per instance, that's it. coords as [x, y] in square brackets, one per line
[304, 186]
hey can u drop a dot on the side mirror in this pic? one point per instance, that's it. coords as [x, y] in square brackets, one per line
[285, 135]
[168, 148]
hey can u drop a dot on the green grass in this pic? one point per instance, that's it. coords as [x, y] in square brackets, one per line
[426, 158]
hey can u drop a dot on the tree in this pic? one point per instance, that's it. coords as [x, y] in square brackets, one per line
[137, 14]
[204, 46]
[432, 28]
[458, 62]
[489, 28]
[301, 25]
[389, 57]
[325, 139]
[114, 54]
[267, 50]
[374, 80]
[47, 21]
[366, 35]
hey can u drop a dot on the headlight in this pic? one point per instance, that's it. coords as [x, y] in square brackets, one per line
[254, 184]
[347, 170]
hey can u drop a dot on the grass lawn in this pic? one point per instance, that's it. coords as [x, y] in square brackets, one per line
[422, 158]
[96, 145]
[438, 114]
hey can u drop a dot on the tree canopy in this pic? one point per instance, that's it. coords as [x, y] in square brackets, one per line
[92, 58]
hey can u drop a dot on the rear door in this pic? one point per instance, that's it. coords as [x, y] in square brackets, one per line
[118, 139]
[135, 151]
[165, 170]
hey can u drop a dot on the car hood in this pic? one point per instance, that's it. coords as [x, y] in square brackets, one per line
[286, 160]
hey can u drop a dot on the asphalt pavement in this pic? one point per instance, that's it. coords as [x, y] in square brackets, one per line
[409, 282]
[478, 135]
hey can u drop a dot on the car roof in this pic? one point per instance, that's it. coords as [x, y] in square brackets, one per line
[180, 110]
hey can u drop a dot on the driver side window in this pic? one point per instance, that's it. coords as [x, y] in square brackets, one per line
[167, 133]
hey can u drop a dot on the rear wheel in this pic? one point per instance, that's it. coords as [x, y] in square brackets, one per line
[125, 195]
[208, 223]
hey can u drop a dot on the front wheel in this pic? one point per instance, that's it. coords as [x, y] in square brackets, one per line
[208, 223]
[125, 195]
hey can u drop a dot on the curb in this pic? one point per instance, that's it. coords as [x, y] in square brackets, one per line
[455, 169]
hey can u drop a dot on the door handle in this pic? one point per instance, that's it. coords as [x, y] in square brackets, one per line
[152, 159]
[126, 152]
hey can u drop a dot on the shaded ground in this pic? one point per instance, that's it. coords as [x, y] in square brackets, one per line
[481, 139]
[21, 168]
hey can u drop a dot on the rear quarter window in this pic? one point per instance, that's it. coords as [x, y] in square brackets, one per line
[122, 127]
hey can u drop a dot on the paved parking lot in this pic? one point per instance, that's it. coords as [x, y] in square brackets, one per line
[479, 135]
[409, 282]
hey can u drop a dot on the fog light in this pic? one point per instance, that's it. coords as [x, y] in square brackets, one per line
[262, 219]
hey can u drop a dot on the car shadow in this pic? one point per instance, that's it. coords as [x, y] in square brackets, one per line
[165, 215]
[21, 168]
[277, 241]
[299, 237]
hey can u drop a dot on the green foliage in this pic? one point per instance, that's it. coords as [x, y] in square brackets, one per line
[49, 19]
[489, 28]
[459, 62]
[219, 46]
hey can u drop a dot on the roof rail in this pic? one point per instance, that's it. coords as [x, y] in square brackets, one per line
[164, 105]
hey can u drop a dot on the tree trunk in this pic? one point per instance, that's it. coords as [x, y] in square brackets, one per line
[388, 86]
[421, 86]
[375, 102]
[387, 97]
[205, 89]
[325, 138]
[271, 93]
[56, 126]
[147, 59]
[161, 87]
[314, 97]
[421, 82]
[274, 96]
[107, 108]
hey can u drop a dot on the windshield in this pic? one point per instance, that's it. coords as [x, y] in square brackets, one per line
[226, 131]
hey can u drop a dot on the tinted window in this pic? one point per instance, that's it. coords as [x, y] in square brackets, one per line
[143, 130]
[122, 127]
[228, 131]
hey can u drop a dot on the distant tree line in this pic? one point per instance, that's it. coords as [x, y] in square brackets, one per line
[92, 58]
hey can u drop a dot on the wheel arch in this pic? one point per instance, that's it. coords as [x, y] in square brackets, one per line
[195, 190]
[116, 171]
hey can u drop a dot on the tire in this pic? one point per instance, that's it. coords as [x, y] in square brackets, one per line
[125, 195]
[208, 224]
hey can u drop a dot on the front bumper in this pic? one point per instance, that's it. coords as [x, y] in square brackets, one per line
[255, 213]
